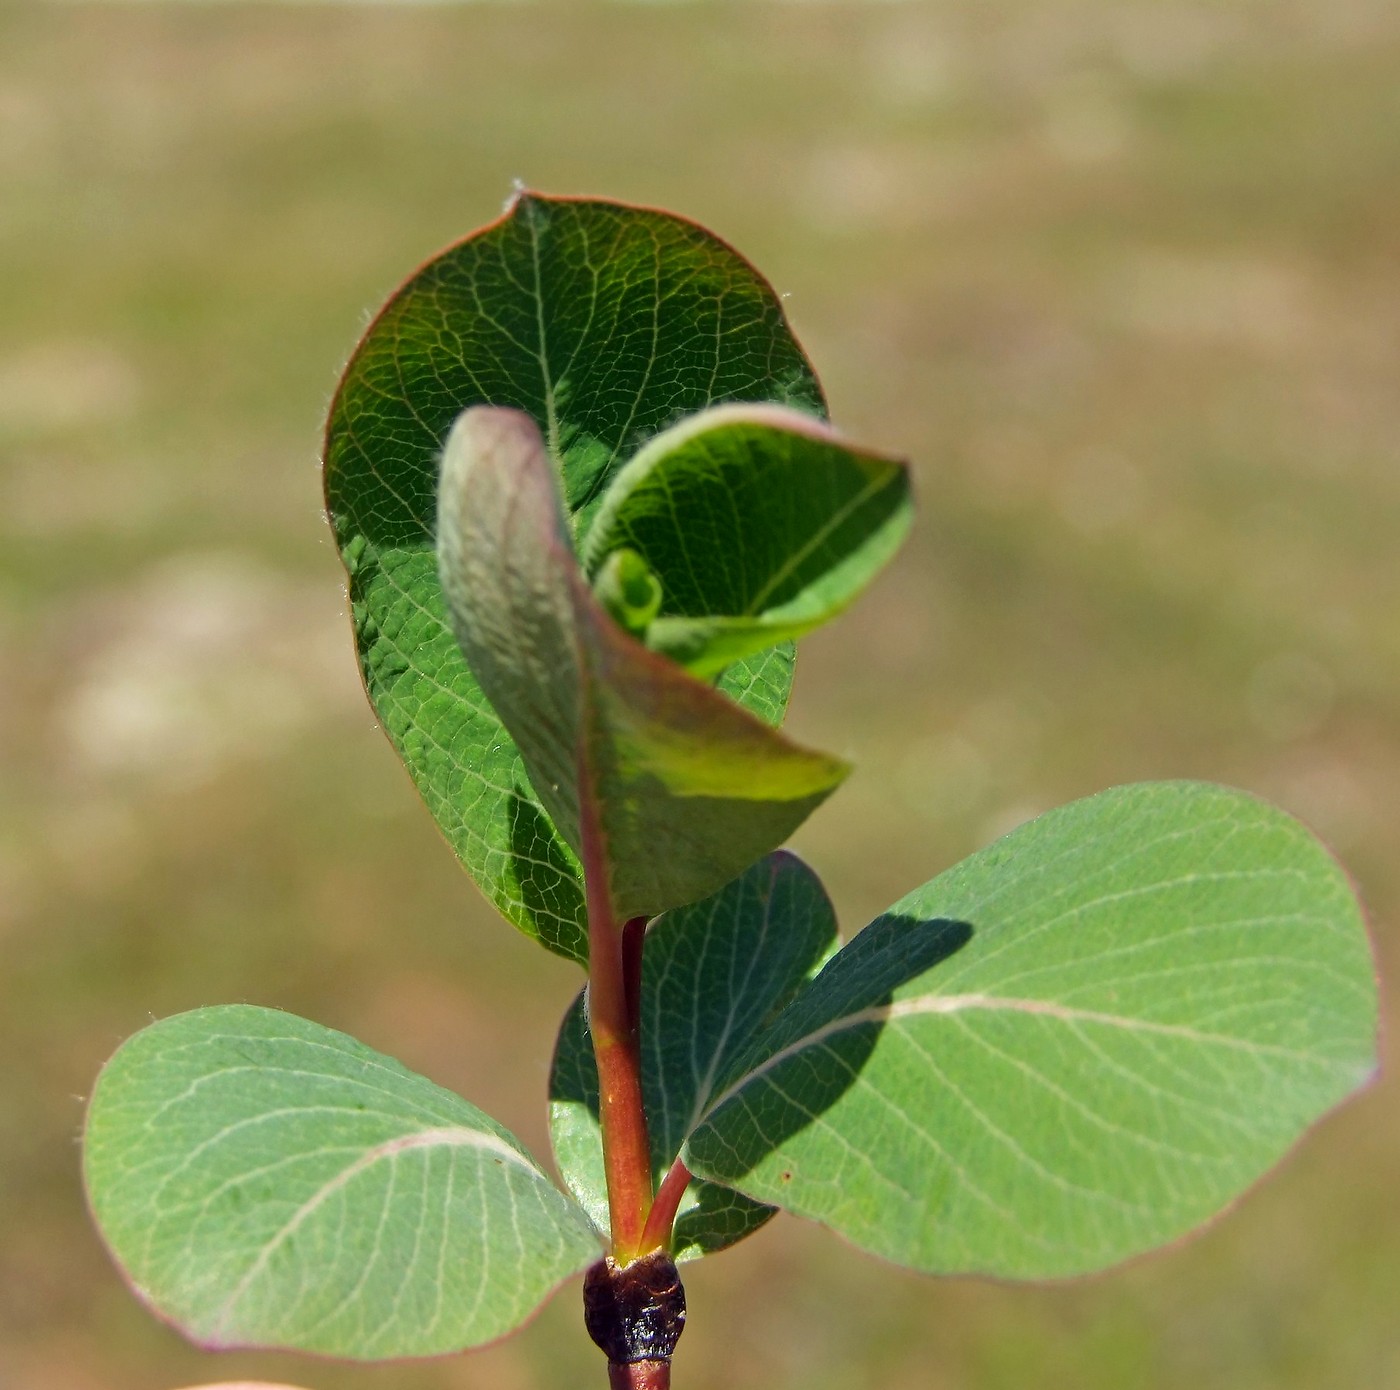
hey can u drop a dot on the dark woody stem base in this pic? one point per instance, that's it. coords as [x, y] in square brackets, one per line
[635, 1313]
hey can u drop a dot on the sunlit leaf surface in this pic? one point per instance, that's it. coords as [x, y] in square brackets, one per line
[264, 1181]
[1077, 1044]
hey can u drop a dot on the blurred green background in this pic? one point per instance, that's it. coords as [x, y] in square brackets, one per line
[1123, 279]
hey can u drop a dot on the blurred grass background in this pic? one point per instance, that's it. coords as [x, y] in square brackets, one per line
[1123, 278]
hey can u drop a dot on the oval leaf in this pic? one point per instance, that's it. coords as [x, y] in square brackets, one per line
[264, 1181]
[756, 524]
[684, 787]
[604, 323]
[714, 974]
[1076, 1045]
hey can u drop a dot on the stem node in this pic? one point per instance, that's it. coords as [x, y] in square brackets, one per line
[635, 1312]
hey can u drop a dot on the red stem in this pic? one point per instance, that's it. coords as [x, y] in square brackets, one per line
[656, 1235]
[611, 1018]
[640, 1375]
[634, 933]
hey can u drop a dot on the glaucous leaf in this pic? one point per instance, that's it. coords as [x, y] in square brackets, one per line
[685, 789]
[742, 526]
[263, 1181]
[605, 323]
[1076, 1045]
[714, 975]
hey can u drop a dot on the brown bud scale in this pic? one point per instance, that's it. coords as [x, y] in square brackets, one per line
[635, 1312]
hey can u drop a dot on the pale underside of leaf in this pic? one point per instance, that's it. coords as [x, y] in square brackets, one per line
[605, 323]
[263, 1181]
[688, 788]
[1078, 1044]
[714, 975]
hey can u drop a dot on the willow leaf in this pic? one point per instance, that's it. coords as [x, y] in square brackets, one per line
[267, 1182]
[679, 787]
[605, 323]
[1078, 1044]
[755, 524]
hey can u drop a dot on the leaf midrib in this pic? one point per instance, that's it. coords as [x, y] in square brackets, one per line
[454, 1136]
[935, 1004]
[542, 351]
[830, 526]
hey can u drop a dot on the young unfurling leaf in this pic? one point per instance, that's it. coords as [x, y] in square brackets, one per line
[758, 524]
[686, 788]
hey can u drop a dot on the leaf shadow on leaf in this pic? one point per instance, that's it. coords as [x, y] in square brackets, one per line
[545, 873]
[798, 1068]
[720, 1217]
[713, 1216]
[844, 1004]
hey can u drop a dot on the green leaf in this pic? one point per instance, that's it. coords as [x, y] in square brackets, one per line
[630, 591]
[1074, 1046]
[264, 1181]
[680, 788]
[714, 975]
[752, 524]
[605, 323]
[761, 683]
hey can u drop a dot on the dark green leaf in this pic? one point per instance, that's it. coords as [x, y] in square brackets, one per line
[264, 1181]
[1078, 1044]
[605, 323]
